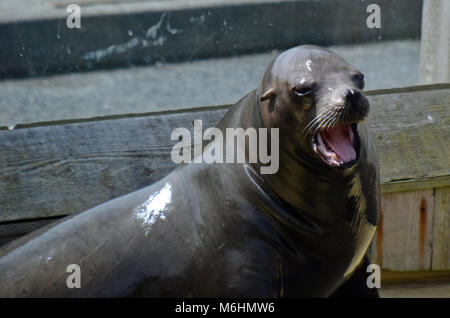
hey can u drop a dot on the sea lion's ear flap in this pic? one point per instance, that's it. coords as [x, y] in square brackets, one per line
[268, 94]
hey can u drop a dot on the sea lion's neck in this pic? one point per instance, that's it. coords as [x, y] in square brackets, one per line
[299, 179]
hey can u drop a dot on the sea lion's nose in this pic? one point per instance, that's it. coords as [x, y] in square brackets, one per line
[355, 102]
[350, 94]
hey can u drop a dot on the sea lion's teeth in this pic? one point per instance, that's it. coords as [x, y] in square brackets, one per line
[335, 157]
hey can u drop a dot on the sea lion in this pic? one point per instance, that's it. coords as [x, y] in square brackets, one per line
[221, 230]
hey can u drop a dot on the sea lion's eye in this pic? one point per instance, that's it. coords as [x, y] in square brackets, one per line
[300, 91]
[358, 79]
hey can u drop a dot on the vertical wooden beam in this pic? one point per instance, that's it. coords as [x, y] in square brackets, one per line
[441, 230]
[403, 242]
[435, 43]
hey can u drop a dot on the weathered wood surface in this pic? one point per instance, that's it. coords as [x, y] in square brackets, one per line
[414, 231]
[53, 169]
[441, 230]
[12, 230]
[405, 233]
[411, 129]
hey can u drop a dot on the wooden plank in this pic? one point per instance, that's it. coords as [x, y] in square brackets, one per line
[411, 131]
[60, 168]
[394, 278]
[415, 184]
[441, 230]
[403, 241]
[12, 230]
[23, 227]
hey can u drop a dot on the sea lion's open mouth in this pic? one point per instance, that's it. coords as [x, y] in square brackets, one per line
[338, 146]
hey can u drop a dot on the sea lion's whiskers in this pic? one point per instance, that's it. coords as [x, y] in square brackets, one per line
[327, 115]
[316, 121]
[337, 114]
[332, 121]
[311, 124]
[325, 124]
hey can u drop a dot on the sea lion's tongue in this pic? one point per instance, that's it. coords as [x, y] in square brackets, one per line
[340, 140]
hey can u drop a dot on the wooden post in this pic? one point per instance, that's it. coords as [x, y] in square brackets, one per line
[435, 43]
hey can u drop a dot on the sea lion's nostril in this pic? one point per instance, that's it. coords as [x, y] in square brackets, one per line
[350, 94]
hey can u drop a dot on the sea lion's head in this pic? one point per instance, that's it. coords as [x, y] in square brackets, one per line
[314, 97]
